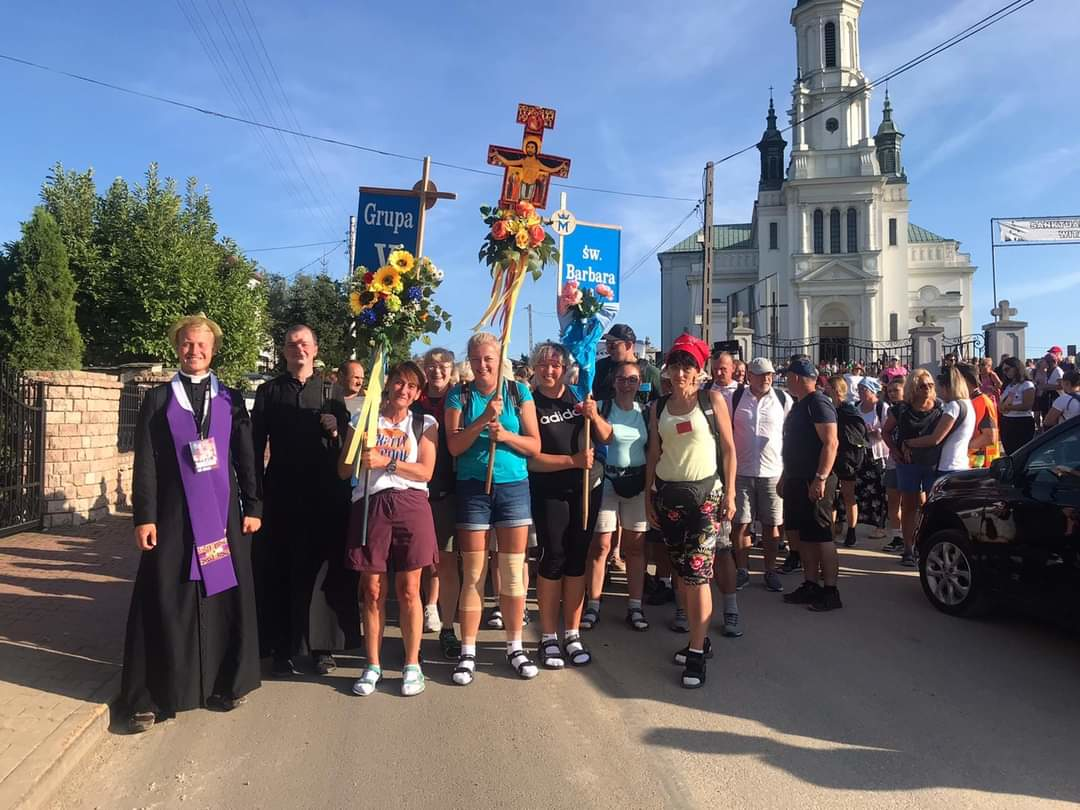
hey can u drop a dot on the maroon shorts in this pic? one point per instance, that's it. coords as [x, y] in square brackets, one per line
[400, 528]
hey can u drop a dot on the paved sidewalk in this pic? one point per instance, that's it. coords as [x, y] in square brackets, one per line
[63, 602]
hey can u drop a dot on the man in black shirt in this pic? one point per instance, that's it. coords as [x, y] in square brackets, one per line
[620, 340]
[306, 598]
[808, 487]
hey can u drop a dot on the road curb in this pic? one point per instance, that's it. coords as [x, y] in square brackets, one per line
[37, 777]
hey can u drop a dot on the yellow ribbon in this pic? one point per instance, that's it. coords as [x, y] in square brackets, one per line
[366, 423]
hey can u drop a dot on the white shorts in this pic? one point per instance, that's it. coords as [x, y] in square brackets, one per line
[626, 512]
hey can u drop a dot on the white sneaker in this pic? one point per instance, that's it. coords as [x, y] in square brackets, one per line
[432, 622]
[413, 681]
[365, 684]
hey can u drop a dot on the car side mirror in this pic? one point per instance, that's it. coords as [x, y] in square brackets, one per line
[1002, 468]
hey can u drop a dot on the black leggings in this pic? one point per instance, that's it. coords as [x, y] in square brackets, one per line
[563, 543]
[1016, 431]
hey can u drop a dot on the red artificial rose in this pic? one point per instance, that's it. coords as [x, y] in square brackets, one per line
[536, 234]
[368, 278]
[524, 209]
[499, 229]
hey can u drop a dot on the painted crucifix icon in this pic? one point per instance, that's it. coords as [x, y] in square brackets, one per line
[528, 171]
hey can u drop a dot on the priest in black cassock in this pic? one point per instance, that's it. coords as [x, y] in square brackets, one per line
[192, 631]
[307, 598]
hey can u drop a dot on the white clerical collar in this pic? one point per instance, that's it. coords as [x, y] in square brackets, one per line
[195, 378]
[181, 394]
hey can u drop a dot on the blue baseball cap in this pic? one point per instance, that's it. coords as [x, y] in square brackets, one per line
[801, 367]
[870, 384]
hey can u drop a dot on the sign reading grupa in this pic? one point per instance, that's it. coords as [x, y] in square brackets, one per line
[385, 221]
[590, 256]
[1040, 230]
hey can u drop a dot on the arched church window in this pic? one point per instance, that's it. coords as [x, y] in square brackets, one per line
[852, 231]
[819, 231]
[830, 44]
[834, 231]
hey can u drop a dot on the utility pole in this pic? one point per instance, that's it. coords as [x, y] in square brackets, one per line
[707, 264]
[529, 308]
[352, 247]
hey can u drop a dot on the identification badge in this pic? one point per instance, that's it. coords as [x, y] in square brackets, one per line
[204, 454]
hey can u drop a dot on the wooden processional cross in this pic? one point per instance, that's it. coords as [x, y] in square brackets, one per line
[528, 171]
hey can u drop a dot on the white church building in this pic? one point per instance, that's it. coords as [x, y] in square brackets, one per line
[830, 253]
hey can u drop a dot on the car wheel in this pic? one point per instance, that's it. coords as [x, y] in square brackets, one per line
[950, 577]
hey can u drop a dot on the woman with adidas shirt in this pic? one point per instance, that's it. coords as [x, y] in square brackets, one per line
[491, 407]
[625, 431]
[399, 523]
[557, 486]
[692, 465]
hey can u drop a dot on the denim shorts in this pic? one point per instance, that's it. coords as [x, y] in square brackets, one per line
[915, 477]
[507, 505]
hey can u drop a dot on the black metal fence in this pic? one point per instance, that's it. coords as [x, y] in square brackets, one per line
[131, 397]
[22, 451]
[840, 351]
[965, 347]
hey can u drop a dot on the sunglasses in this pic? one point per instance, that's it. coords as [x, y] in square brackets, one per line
[627, 380]
[925, 386]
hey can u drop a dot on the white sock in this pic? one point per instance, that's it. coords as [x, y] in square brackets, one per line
[731, 603]
[513, 645]
[594, 604]
[572, 635]
[633, 603]
[543, 639]
[468, 649]
[698, 652]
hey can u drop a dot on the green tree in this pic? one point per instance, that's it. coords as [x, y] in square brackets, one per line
[144, 256]
[318, 301]
[40, 329]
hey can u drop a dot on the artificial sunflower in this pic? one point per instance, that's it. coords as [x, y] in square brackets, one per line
[354, 302]
[388, 278]
[402, 261]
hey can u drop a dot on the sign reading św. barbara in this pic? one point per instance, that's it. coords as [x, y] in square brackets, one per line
[590, 256]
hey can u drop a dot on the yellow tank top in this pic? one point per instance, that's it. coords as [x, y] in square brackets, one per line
[688, 452]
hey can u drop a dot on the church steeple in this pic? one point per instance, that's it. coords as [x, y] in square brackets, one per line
[888, 140]
[771, 146]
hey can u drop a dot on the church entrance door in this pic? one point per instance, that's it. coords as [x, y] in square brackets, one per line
[834, 344]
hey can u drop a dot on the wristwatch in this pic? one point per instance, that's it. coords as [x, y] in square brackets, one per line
[391, 468]
[821, 477]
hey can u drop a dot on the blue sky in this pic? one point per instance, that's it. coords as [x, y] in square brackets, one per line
[645, 96]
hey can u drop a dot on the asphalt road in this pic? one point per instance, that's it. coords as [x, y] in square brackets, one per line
[886, 703]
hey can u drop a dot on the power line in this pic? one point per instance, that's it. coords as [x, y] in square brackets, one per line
[292, 247]
[652, 251]
[318, 259]
[981, 25]
[250, 121]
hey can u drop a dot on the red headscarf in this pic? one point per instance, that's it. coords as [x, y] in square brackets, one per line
[695, 347]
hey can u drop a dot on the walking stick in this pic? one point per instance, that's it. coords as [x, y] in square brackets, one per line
[586, 473]
[508, 320]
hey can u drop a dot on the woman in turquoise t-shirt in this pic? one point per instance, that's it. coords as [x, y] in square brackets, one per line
[475, 413]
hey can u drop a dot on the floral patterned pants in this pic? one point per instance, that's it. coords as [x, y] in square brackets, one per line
[692, 534]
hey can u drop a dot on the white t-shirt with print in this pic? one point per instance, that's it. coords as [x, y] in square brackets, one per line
[396, 440]
[1014, 395]
[954, 450]
[878, 448]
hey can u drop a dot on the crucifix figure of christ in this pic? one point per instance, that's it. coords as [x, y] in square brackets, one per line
[528, 171]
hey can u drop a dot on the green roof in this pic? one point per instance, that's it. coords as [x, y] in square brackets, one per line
[725, 237]
[917, 234]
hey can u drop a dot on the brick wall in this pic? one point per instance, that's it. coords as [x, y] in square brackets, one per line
[86, 476]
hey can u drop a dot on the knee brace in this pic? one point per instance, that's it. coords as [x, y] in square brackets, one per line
[511, 575]
[473, 570]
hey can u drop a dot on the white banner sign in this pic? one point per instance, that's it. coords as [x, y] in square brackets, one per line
[1040, 230]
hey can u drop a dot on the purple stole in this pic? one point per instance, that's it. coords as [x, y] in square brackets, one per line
[206, 493]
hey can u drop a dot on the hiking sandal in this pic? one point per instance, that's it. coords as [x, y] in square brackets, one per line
[522, 664]
[551, 654]
[577, 652]
[463, 675]
[589, 619]
[495, 620]
[635, 619]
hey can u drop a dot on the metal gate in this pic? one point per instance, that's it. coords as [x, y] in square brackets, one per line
[834, 350]
[22, 451]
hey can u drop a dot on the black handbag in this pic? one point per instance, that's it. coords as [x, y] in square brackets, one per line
[628, 482]
[684, 494]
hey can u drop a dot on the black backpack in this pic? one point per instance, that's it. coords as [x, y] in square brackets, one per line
[738, 395]
[851, 430]
[513, 391]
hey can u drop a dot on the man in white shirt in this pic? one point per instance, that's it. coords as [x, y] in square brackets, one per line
[758, 414]
[723, 374]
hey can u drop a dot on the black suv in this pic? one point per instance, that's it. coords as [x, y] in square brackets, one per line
[1011, 532]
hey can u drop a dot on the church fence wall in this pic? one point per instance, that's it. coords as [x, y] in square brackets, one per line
[87, 476]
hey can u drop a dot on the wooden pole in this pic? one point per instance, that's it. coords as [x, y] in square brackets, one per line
[585, 474]
[425, 176]
[504, 352]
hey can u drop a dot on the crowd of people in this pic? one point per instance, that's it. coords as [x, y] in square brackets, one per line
[478, 468]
